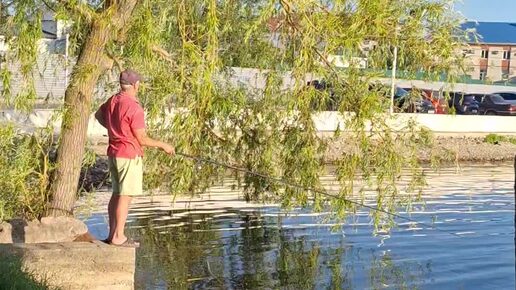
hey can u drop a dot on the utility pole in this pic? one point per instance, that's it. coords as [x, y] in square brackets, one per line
[393, 78]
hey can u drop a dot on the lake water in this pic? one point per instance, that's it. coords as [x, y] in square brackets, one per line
[220, 242]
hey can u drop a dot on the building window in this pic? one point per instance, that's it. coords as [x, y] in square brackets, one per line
[483, 74]
[506, 54]
[484, 53]
[467, 52]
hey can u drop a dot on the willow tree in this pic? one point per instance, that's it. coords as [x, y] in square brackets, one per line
[186, 49]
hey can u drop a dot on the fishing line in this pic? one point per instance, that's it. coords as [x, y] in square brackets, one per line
[199, 160]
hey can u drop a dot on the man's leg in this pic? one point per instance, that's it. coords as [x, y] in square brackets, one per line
[130, 177]
[115, 183]
[113, 202]
[122, 209]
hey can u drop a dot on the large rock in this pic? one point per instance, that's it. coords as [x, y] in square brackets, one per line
[6, 236]
[12, 232]
[48, 230]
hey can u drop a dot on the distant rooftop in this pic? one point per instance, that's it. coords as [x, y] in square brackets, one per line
[493, 32]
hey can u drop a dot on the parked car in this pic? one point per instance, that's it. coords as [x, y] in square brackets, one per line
[440, 105]
[464, 104]
[496, 105]
[328, 102]
[508, 82]
[407, 102]
[418, 101]
[508, 96]
[403, 100]
[478, 97]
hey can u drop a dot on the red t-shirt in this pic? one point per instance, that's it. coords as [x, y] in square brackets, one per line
[123, 114]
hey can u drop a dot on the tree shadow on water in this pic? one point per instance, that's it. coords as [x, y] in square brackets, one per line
[250, 251]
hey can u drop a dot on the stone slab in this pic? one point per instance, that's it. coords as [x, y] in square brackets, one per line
[77, 265]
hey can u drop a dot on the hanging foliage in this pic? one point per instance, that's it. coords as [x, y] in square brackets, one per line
[189, 52]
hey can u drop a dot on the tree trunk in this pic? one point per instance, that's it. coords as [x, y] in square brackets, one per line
[92, 62]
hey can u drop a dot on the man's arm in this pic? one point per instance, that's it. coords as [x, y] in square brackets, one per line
[99, 115]
[144, 140]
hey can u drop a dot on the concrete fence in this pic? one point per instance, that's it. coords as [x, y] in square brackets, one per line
[437, 123]
[325, 122]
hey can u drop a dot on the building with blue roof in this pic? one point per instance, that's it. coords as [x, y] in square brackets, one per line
[491, 51]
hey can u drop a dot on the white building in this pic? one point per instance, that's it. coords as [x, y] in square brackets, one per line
[52, 68]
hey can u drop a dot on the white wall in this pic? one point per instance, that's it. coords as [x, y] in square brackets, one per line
[437, 123]
[325, 122]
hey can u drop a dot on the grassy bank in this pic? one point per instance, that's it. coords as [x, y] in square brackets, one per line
[495, 139]
[13, 278]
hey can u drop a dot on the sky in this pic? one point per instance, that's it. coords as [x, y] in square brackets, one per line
[488, 10]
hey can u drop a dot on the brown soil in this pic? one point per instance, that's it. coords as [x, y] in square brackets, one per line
[461, 149]
[87, 237]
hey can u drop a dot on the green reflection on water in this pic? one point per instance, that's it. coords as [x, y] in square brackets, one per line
[259, 254]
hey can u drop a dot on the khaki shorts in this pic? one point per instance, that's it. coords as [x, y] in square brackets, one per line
[126, 175]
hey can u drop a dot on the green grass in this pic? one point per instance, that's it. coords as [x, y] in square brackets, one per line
[13, 278]
[497, 139]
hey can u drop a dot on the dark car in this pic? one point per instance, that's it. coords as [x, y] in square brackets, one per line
[464, 104]
[405, 101]
[327, 99]
[508, 96]
[412, 102]
[496, 105]
[509, 82]
[478, 97]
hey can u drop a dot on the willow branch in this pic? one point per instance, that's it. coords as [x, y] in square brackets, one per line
[162, 53]
[289, 18]
[79, 8]
[50, 7]
[114, 60]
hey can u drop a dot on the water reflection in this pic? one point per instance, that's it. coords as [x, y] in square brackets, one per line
[246, 250]
[225, 243]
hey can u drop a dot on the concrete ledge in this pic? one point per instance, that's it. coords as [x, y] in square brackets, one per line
[454, 125]
[323, 121]
[77, 265]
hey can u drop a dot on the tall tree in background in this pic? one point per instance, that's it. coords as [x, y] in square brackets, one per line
[186, 49]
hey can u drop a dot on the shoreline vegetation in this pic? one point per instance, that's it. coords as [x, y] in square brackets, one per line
[185, 50]
[490, 148]
[452, 150]
[13, 276]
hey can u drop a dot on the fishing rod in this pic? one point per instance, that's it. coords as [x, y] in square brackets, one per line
[198, 159]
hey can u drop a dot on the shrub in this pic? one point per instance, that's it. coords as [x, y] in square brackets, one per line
[497, 139]
[13, 277]
[25, 172]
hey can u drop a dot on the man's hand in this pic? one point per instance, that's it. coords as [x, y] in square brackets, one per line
[145, 140]
[169, 149]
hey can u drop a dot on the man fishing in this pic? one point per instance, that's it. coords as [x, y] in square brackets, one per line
[123, 117]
